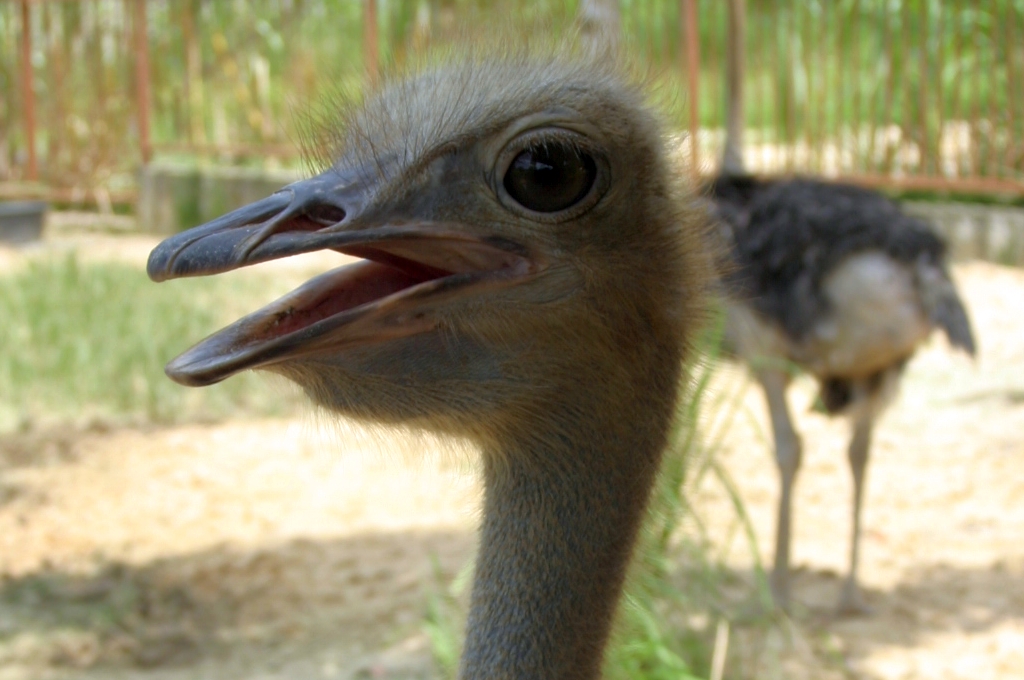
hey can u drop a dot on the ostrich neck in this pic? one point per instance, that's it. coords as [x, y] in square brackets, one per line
[558, 530]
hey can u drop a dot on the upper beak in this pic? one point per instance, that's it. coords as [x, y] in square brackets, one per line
[286, 223]
[318, 214]
[415, 265]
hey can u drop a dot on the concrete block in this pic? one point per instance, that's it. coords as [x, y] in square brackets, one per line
[173, 198]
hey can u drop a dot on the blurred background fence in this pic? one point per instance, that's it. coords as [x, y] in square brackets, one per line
[912, 94]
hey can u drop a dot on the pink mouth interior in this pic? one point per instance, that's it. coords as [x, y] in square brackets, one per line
[383, 274]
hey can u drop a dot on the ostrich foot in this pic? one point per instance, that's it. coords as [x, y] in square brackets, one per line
[779, 585]
[852, 603]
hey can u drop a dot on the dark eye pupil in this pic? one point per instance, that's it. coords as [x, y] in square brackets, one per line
[550, 177]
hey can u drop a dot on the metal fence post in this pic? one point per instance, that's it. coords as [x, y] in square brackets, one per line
[692, 40]
[141, 42]
[28, 92]
[370, 50]
[732, 156]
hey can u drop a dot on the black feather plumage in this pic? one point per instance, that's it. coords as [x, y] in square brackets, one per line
[788, 235]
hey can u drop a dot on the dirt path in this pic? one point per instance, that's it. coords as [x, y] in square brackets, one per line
[249, 549]
[264, 550]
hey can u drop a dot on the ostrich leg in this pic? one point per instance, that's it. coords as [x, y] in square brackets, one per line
[787, 457]
[852, 601]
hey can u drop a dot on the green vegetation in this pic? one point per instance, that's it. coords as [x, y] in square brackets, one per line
[90, 340]
[233, 75]
[937, 69]
[673, 603]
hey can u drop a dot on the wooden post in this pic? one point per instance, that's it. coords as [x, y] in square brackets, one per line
[28, 91]
[370, 50]
[193, 74]
[692, 40]
[142, 79]
[925, 140]
[600, 22]
[732, 157]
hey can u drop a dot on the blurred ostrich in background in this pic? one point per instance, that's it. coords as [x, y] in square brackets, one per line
[834, 280]
[839, 282]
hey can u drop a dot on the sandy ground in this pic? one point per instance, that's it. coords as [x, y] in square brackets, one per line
[272, 549]
[248, 549]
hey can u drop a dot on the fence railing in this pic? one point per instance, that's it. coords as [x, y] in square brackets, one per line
[928, 92]
[916, 93]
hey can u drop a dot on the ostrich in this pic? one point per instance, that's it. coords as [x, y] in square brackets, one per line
[841, 283]
[835, 280]
[532, 274]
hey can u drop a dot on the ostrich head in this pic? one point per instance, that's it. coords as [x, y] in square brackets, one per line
[521, 234]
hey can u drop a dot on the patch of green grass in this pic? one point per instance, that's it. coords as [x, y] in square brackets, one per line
[84, 340]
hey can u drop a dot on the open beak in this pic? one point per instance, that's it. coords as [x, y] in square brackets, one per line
[410, 268]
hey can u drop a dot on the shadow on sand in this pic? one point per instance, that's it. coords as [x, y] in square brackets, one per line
[344, 598]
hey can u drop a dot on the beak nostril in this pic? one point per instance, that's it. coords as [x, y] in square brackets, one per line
[326, 214]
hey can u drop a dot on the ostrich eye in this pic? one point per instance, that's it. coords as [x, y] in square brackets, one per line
[550, 177]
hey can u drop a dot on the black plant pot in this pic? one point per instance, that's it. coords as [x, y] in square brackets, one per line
[21, 221]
